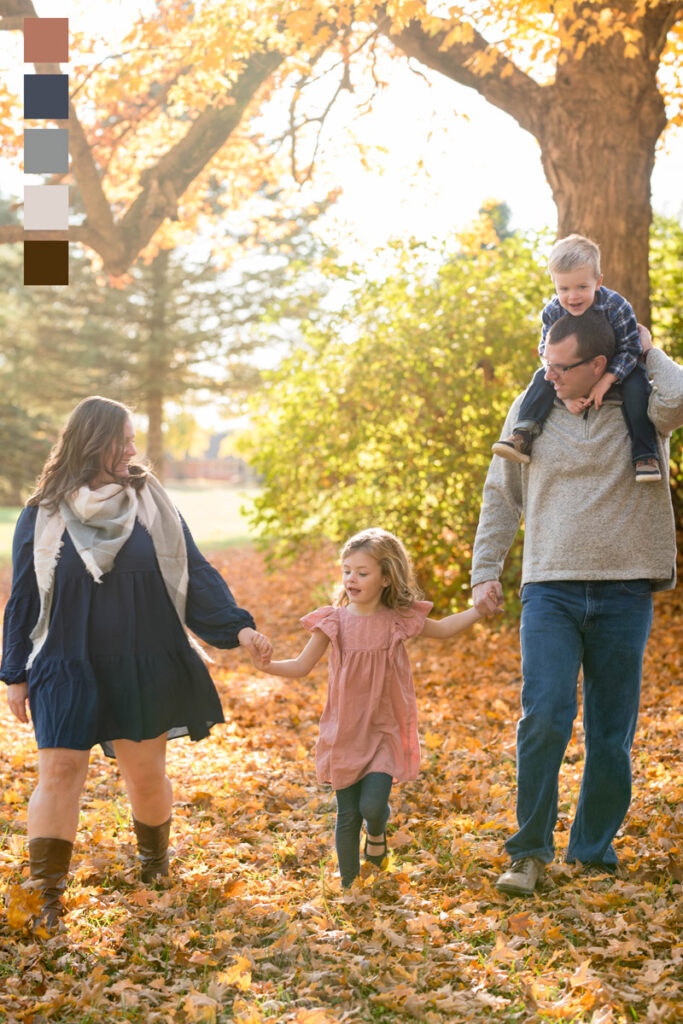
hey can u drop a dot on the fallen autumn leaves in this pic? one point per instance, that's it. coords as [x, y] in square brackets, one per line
[252, 927]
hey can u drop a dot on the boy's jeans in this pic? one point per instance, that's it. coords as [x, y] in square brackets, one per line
[539, 399]
[603, 627]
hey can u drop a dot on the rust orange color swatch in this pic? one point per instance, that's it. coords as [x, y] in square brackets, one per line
[46, 40]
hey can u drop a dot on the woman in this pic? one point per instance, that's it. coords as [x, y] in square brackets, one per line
[106, 577]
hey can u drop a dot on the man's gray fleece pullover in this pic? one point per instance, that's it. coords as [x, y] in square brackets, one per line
[585, 517]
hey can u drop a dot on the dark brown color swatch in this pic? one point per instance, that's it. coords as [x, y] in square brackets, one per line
[46, 262]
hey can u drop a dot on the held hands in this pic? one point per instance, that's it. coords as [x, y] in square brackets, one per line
[488, 597]
[17, 697]
[259, 646]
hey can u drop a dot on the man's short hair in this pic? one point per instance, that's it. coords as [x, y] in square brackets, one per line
[594, 334]
[573, 252]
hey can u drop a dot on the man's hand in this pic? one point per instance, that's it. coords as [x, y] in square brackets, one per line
[17, 697]
[259, 646]
[645, 339]
[488, 597]
[600, 389]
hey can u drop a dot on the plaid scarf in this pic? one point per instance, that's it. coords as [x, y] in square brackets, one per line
[99, 522]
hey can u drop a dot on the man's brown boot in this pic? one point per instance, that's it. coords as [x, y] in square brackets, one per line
[49, 861]
[153, 849]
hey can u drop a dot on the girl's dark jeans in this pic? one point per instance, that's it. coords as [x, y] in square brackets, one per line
[366, 800]
[635, 389]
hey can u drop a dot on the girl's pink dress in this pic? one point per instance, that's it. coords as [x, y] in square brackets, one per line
[369, 723]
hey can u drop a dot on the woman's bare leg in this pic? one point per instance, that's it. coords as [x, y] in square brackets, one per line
[143, 767]
[54, 804]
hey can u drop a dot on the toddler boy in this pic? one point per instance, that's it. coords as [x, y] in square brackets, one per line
[574, 266]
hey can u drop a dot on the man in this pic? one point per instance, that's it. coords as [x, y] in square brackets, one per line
[589, 567]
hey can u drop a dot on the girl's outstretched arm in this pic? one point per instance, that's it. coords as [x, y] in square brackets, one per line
[295, 668]
[442, 628]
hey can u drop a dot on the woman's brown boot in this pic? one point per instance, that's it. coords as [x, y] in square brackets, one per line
[153, 849]
[49, 861]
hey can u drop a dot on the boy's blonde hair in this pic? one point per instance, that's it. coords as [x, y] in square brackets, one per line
[573, 252]
[394, 561]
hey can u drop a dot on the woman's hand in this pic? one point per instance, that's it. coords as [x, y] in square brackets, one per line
[17, 696]
[259, 646]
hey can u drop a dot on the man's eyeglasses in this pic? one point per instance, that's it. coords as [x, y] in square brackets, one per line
[559, 370]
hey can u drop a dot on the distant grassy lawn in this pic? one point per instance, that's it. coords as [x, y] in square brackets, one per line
[8, 517]
[212, 512]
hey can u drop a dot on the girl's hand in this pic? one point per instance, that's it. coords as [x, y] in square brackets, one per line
[259, 646]
[17, 697]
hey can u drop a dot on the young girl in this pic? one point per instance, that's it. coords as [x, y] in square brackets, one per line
[368, 729]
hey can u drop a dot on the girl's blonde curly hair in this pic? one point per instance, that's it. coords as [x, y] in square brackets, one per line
[394, 561]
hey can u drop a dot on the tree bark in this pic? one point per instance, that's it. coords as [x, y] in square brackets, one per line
[154, 407]
[597, 125]
[598, 152]
[156, 369]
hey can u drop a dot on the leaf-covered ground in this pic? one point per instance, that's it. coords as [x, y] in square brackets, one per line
[253, 927]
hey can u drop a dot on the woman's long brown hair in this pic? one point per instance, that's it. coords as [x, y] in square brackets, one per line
[95, 429]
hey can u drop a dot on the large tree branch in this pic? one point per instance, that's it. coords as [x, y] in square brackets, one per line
[13, 12]
[165, 181]
[77, 233]
[503, 84]
[657, 22]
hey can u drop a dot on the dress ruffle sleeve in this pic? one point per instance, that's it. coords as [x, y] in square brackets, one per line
[409, 623]
[23, 607]
[326, 619]
[211, 612]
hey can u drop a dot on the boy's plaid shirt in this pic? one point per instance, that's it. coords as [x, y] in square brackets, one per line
[622, 318]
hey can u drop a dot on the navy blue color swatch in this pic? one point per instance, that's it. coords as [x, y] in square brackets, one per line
[46, 96]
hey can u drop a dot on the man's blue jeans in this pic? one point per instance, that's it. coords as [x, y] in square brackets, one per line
[603, 628]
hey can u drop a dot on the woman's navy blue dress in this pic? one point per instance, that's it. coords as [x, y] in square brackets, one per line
[117, 663]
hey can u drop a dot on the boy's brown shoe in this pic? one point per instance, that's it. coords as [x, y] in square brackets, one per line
[647, 471]
[516, 447]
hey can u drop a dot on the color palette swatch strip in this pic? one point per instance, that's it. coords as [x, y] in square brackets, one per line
[46, 150]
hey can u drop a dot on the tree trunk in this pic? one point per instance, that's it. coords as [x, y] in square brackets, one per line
[156, 365]
[155, 435]
[597, 125]
[597, 141]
